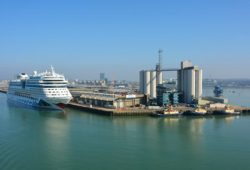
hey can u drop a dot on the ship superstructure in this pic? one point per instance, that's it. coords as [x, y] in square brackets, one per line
[45, 90]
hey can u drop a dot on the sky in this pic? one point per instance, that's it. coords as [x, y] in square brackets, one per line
[82, 38]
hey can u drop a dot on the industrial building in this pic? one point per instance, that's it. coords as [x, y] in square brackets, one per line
[166, 96]
[110, 100]
[189, 82]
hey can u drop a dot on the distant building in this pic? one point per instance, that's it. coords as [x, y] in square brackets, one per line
[189, 79]
[218, 91]
[102, 76]
[211, 99]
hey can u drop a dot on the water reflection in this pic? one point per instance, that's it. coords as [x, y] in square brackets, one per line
[220, 121]
[197, 126]
[55, 114]
[186, 126]
[44, 125]
[229, 119]
[28, 111]
[171, 122]
[57, 138]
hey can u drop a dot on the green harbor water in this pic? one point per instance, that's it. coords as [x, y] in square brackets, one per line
[48, 140]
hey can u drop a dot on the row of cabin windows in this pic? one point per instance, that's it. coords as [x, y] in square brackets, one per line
[23, 95]
[58, 92]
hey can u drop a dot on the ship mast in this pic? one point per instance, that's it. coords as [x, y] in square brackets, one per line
[52, 70]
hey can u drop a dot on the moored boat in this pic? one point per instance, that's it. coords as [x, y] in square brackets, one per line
[200, 111]
[197, 112]
[170, 111]
[226, 111]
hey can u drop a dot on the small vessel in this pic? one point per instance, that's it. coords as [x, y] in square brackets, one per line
[227, 111]
[43, 90]
[199, 111]
[170, 111]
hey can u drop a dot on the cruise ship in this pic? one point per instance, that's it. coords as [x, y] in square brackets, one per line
[43, 90]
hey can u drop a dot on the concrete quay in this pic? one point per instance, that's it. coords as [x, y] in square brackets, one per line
[91, 109]
[137, 111]
[143, 111]
[111, 112]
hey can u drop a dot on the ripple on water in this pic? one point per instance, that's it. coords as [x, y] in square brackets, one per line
[10, 153]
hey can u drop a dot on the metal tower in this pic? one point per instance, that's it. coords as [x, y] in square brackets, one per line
[160, 59]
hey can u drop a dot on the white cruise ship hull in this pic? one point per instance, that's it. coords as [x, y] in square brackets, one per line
[39, 103]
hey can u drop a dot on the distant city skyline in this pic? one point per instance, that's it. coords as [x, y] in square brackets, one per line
[82, 39]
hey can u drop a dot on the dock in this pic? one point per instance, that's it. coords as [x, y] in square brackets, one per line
[111, 112]
[135, 111]
[242, 110]
[91, 109]
[142, 111]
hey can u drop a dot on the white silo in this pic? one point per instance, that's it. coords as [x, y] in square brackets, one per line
[180, 80]
[147, 82]
[159, 77]
[153, 84]
[141, 88]
[198, 84]
[191, 83]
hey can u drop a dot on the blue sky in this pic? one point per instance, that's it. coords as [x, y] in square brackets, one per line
[83, 38]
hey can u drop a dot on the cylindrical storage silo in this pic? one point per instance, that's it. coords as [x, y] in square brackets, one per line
[191, 85]
[147, 82]
[153, 84]
[198, 83]
[159, 77]
[141, 87]
[180, 80]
